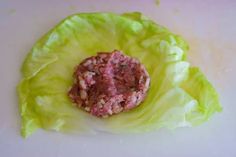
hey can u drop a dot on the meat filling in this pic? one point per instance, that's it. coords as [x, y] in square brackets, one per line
[109, 83]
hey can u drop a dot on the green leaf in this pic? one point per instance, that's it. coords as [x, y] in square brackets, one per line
[178, 96]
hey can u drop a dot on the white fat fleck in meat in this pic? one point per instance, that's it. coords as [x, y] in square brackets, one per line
[109, 112]
[147, 83]
[102, 101]
[87, 62]
[82, 83]
[116, 108]
[131, 101]
[83, 94]
[94, 61]
[100, 105]
[87, 109]
[89, 74]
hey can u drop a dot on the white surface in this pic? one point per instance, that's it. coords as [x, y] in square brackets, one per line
[208, 26]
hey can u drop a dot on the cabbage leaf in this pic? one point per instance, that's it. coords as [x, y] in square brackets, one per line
[179, 95]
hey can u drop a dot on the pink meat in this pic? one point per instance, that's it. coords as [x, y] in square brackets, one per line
[109, 83]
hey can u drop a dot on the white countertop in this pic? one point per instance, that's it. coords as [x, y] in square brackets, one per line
[209, 27]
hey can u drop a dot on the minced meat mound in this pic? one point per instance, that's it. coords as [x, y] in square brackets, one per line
[109, 83]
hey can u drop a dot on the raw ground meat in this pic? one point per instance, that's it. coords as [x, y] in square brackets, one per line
[109, 83]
